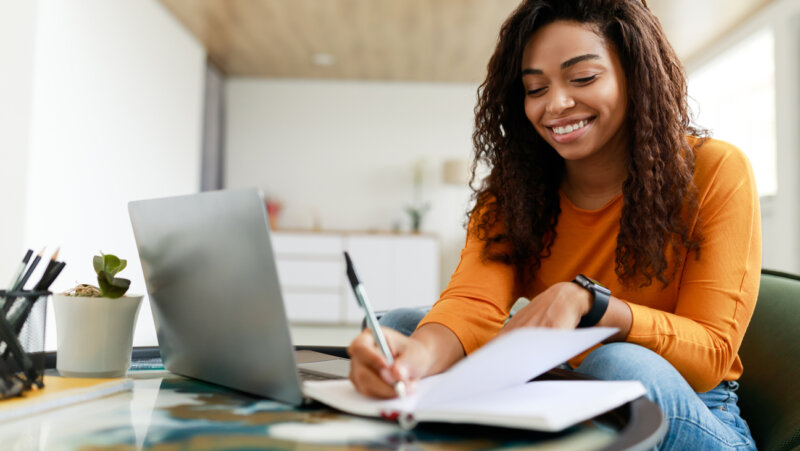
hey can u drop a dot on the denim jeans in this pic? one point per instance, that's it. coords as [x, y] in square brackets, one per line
[699, 421]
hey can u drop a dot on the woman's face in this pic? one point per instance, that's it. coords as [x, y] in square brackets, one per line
[575, 93]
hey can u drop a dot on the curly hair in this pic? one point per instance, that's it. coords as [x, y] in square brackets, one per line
[521, 189]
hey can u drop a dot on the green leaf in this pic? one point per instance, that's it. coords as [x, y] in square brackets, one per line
[112, 287]
[112, 264]
[97, 261]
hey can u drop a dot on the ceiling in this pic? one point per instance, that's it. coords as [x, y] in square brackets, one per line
[408, 40]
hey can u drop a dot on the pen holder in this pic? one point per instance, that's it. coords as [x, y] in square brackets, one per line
[22, 332]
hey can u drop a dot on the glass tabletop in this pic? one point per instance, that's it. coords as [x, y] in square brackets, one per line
[168, 411]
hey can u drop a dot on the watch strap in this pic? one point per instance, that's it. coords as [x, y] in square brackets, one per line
[600, 298]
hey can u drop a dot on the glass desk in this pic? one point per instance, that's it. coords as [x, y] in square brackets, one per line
[169, 412]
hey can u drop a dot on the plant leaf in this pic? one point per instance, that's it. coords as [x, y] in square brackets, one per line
[97, 262]
[112, 287]
[112, 264]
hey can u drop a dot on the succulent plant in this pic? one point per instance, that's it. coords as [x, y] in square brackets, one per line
[107, 266]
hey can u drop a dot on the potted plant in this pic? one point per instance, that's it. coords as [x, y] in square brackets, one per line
[94, 324]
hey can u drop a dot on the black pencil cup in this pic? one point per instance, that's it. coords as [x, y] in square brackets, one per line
[22, 335]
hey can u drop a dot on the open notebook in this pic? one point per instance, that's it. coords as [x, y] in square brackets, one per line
[491, 387]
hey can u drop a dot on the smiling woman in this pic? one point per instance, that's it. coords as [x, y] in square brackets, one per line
[578, 105]
[604, 207]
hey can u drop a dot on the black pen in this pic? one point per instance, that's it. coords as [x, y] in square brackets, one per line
[372, 322]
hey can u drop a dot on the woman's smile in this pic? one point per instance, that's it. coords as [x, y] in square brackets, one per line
[568, 131]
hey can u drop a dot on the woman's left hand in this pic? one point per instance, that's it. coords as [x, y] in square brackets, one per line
[560, 306]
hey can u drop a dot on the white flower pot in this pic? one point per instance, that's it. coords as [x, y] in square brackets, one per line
[95, 335]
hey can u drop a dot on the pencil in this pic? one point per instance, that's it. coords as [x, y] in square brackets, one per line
[19, 315]
[51, 276]
[20, 270]
[47, 272]
[16, 277]
[21, 283]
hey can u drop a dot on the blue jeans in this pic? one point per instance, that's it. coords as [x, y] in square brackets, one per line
[708, 420]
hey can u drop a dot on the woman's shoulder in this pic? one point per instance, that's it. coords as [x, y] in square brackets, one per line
[717, 161]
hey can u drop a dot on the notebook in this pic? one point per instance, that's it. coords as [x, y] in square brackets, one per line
[490, 386]
[60, 392]
[213, 287]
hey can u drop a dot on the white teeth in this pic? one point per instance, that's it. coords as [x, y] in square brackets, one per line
[569, 128]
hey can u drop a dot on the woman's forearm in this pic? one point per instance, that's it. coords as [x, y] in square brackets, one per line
[443, 346]
[617, 315]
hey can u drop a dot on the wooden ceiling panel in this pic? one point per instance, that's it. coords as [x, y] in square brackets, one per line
[410, 40]
[423, 40]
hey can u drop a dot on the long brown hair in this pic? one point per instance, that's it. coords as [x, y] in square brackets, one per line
[526, 172]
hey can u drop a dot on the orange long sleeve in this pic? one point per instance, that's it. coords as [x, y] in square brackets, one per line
[697, 322]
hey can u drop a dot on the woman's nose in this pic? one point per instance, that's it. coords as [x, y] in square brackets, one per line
[560, 100]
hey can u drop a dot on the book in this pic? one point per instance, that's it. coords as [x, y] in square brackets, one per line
[491, 386]
[59, 392]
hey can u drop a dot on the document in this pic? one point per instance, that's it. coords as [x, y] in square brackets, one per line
[60, 392]
[490, 386]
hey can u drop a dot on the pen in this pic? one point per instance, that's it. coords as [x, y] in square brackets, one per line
[372, 322]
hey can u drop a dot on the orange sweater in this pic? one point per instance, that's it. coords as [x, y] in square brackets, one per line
[696, 323]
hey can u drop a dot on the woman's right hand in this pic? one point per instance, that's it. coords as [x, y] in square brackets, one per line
[371, 374]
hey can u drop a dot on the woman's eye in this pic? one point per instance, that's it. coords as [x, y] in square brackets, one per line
[585, 80]
[535, 92]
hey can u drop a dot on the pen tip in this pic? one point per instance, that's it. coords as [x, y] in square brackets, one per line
[41, 252]
[55, 255]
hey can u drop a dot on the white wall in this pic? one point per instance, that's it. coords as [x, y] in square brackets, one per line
[340, 155]
[780, 214]
[17, 31]
[117, 114]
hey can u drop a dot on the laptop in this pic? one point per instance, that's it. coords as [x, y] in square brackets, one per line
[217, 304]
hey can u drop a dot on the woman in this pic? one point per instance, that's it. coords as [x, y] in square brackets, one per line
[596, 175]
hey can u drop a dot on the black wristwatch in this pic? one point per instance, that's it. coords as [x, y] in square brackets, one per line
[600, 297]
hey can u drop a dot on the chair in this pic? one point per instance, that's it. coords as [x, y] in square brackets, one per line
[769, 396]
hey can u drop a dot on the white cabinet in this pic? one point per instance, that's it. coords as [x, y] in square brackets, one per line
[397, 271]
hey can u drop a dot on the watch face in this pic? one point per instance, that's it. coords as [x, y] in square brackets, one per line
[596, 283]
[591, 284]
[584, 281]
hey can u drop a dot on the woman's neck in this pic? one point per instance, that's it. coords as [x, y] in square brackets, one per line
[592, 182]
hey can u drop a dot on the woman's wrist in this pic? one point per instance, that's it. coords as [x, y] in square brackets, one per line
[581, 297]
[617, 315]
[440, 346]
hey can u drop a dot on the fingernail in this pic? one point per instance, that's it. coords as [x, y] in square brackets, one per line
[403, 372]
[386, 375]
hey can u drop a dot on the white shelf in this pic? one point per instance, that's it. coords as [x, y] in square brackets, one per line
[396, 270]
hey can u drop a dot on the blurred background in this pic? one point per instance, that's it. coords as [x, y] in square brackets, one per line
[353, 116]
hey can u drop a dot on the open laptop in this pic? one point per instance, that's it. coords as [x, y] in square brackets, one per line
[214, 292]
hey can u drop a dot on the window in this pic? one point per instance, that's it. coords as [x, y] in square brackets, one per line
[733, 96]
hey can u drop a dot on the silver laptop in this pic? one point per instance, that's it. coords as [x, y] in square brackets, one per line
[214, 292]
